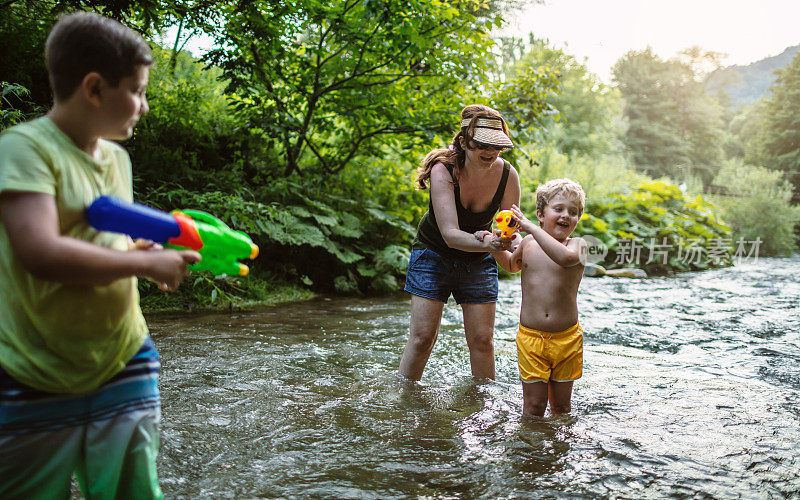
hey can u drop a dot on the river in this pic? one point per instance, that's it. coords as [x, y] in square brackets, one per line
[691, 388]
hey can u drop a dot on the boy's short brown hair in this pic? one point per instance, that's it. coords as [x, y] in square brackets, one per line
[566, 187]
[83, 42]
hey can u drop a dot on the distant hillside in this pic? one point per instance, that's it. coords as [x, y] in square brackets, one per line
[748, 84]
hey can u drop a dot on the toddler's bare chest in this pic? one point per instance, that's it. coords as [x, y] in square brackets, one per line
[539, 266]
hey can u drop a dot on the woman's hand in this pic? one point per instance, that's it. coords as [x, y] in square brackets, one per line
[496, 242]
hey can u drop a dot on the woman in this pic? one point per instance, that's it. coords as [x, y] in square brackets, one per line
[469, 183]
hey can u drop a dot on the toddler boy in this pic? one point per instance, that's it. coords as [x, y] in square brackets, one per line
[550, 340]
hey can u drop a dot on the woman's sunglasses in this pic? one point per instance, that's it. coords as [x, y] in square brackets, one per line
[479, 145]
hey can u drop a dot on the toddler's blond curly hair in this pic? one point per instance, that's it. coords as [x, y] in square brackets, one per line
[566, 187]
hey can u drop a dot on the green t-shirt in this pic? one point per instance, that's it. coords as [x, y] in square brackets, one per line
[56, 337]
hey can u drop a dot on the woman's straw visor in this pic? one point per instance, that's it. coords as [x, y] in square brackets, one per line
[489, 131]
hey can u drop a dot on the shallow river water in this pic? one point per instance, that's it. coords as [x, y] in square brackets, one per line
[691, 388]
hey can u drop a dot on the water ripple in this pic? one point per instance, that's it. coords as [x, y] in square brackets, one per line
[691, 388]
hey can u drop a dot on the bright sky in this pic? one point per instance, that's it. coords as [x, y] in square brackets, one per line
[604, 30]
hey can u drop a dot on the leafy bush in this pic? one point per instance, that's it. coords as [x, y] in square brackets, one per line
[760, 206]
[306, 235]
[654, 227]
[191, 134]
[387, 180]
[651, 225]
[13, 103]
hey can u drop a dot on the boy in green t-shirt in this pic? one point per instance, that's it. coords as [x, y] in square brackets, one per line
[78, 371]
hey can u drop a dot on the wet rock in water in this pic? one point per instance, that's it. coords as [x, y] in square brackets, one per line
[596, 270]
[626, 273]
[593, 270]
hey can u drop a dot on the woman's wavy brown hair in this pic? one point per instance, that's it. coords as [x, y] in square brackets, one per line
[455, 155]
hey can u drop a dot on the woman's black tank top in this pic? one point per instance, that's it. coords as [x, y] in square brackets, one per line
[428, 235]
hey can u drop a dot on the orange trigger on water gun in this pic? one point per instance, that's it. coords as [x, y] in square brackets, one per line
[189, 237]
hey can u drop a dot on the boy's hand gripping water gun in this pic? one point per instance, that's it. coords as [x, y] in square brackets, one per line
[220, 246]
[506, 222]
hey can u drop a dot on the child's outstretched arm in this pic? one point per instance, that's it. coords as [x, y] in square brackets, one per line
[571, 254]
[511, 261]
[32, 225]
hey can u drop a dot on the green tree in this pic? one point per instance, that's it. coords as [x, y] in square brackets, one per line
[778, 142]
[525, 100]
[587, 108]
[25, 25]
[328, 81]
[745, 127]
[561, 101]
[673, 123]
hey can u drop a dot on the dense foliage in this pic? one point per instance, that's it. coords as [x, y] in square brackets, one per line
[778, 143]
[192, 151]
[23, 30]
[310, 235]
[305, 123]
[190, 139]
[758, 206]
[655, 227]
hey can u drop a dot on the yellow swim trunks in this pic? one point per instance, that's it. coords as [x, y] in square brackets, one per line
[545, 356]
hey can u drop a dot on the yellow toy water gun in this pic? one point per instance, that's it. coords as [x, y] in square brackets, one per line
[506, 223]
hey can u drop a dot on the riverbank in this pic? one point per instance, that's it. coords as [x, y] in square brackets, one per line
[201, 294]
[204, 294]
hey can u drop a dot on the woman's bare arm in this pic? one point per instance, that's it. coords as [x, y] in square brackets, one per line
[443, 200]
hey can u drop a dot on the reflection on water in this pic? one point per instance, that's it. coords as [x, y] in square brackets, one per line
[691, 388]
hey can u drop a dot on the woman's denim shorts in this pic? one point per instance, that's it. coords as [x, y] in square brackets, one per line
[435, 276]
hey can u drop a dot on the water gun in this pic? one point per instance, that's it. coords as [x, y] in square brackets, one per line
[220, 246]
[506, 223]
